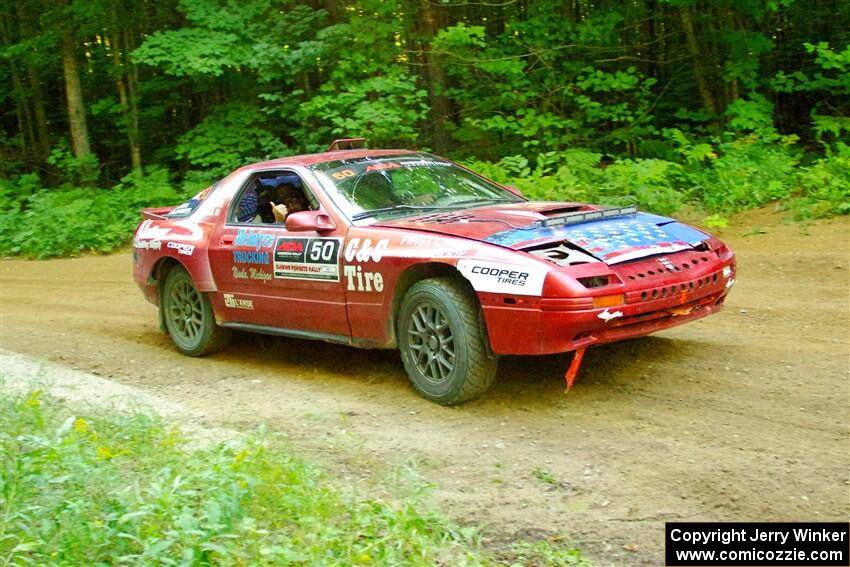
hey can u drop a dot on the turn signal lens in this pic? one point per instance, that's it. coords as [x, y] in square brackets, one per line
[609, 300]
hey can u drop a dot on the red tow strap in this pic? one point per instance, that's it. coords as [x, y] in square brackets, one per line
[572, 371]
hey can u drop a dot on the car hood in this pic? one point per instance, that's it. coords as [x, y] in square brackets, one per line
[520, 226]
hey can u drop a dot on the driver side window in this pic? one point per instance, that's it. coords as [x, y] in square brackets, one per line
[268, 198]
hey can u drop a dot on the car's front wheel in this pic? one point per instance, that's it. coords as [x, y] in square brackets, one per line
[443, 341]
[189, 316]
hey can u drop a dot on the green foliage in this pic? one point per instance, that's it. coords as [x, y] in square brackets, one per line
[607, 101]
[100, 489]
[823, 187]
[387, 109]
[729, 175]
[78, 171]
[230, 137]
[43, 223]
[543, 553]
[578, 175]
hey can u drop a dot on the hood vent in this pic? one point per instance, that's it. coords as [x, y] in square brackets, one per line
[444, 218]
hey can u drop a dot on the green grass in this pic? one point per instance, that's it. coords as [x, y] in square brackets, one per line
[129, 489]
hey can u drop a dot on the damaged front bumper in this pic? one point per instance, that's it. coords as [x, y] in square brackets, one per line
[555, 325]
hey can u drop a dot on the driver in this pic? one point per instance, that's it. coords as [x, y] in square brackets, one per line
[286, 200]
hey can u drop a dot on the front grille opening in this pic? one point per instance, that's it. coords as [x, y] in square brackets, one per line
[510, 300]
[591, 282]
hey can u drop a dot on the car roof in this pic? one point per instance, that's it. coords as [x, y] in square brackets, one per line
[312, 159]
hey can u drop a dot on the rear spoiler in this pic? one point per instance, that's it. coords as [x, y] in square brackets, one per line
[156, 213]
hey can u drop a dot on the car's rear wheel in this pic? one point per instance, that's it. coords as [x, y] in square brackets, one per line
[189, 316]
[443, 341]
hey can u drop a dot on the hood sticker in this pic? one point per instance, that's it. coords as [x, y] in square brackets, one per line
[496, 277]
[612, 240]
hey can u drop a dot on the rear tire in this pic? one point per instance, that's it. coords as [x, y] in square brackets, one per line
[443, 341]
[189, 317]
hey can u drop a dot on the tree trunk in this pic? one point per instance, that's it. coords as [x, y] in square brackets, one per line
[42, 136]
[24, 111]
[126, 97]
[22, 108]
[41, 139]
[74, 95]
[697, 55]
[436, 78]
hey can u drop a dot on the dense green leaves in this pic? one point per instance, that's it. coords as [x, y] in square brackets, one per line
[723, 104]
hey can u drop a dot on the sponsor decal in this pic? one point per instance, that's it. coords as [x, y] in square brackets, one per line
[147, 244]
[148, 232]
[434, 247]
[237, 302]
[666, 263]
[363, 251]
[253, 239]
[358, 280]
[307, 258]
[250, 257]
[185, 249]
[382, 166]
[183, 209]
[609, 315]
[250, 273]
[497, 277]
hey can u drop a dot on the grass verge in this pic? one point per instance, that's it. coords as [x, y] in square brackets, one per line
[121, 489]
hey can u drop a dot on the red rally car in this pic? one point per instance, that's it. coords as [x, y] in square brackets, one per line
[407, 250]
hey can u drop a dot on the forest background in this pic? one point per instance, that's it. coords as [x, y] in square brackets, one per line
[112, 105]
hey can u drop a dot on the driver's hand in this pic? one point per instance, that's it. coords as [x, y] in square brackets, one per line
[280, 212]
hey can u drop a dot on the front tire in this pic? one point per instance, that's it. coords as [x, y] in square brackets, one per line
[189, 316]
[443, 342]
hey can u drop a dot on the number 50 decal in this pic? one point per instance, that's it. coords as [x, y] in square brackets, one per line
[343, 174]
[300, 258]
[323, 250]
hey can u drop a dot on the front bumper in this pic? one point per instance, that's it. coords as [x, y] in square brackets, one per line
[554, 325]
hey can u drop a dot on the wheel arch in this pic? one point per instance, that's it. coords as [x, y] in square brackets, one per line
[157, 278]
[412, 275]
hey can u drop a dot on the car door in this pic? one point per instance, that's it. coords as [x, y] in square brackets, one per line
[271, 277]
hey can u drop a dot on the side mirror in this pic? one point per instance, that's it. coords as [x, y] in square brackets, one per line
[514, 190]
[304, 221]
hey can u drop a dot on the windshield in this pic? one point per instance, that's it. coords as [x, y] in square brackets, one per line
[404, 185]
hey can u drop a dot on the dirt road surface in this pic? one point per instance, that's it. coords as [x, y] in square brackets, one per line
[742, 416]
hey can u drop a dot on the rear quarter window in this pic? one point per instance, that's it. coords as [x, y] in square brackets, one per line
[187, 208]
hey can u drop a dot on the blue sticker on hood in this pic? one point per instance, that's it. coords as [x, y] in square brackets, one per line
[612, 240]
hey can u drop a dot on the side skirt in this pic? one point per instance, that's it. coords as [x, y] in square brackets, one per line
[298, 334]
